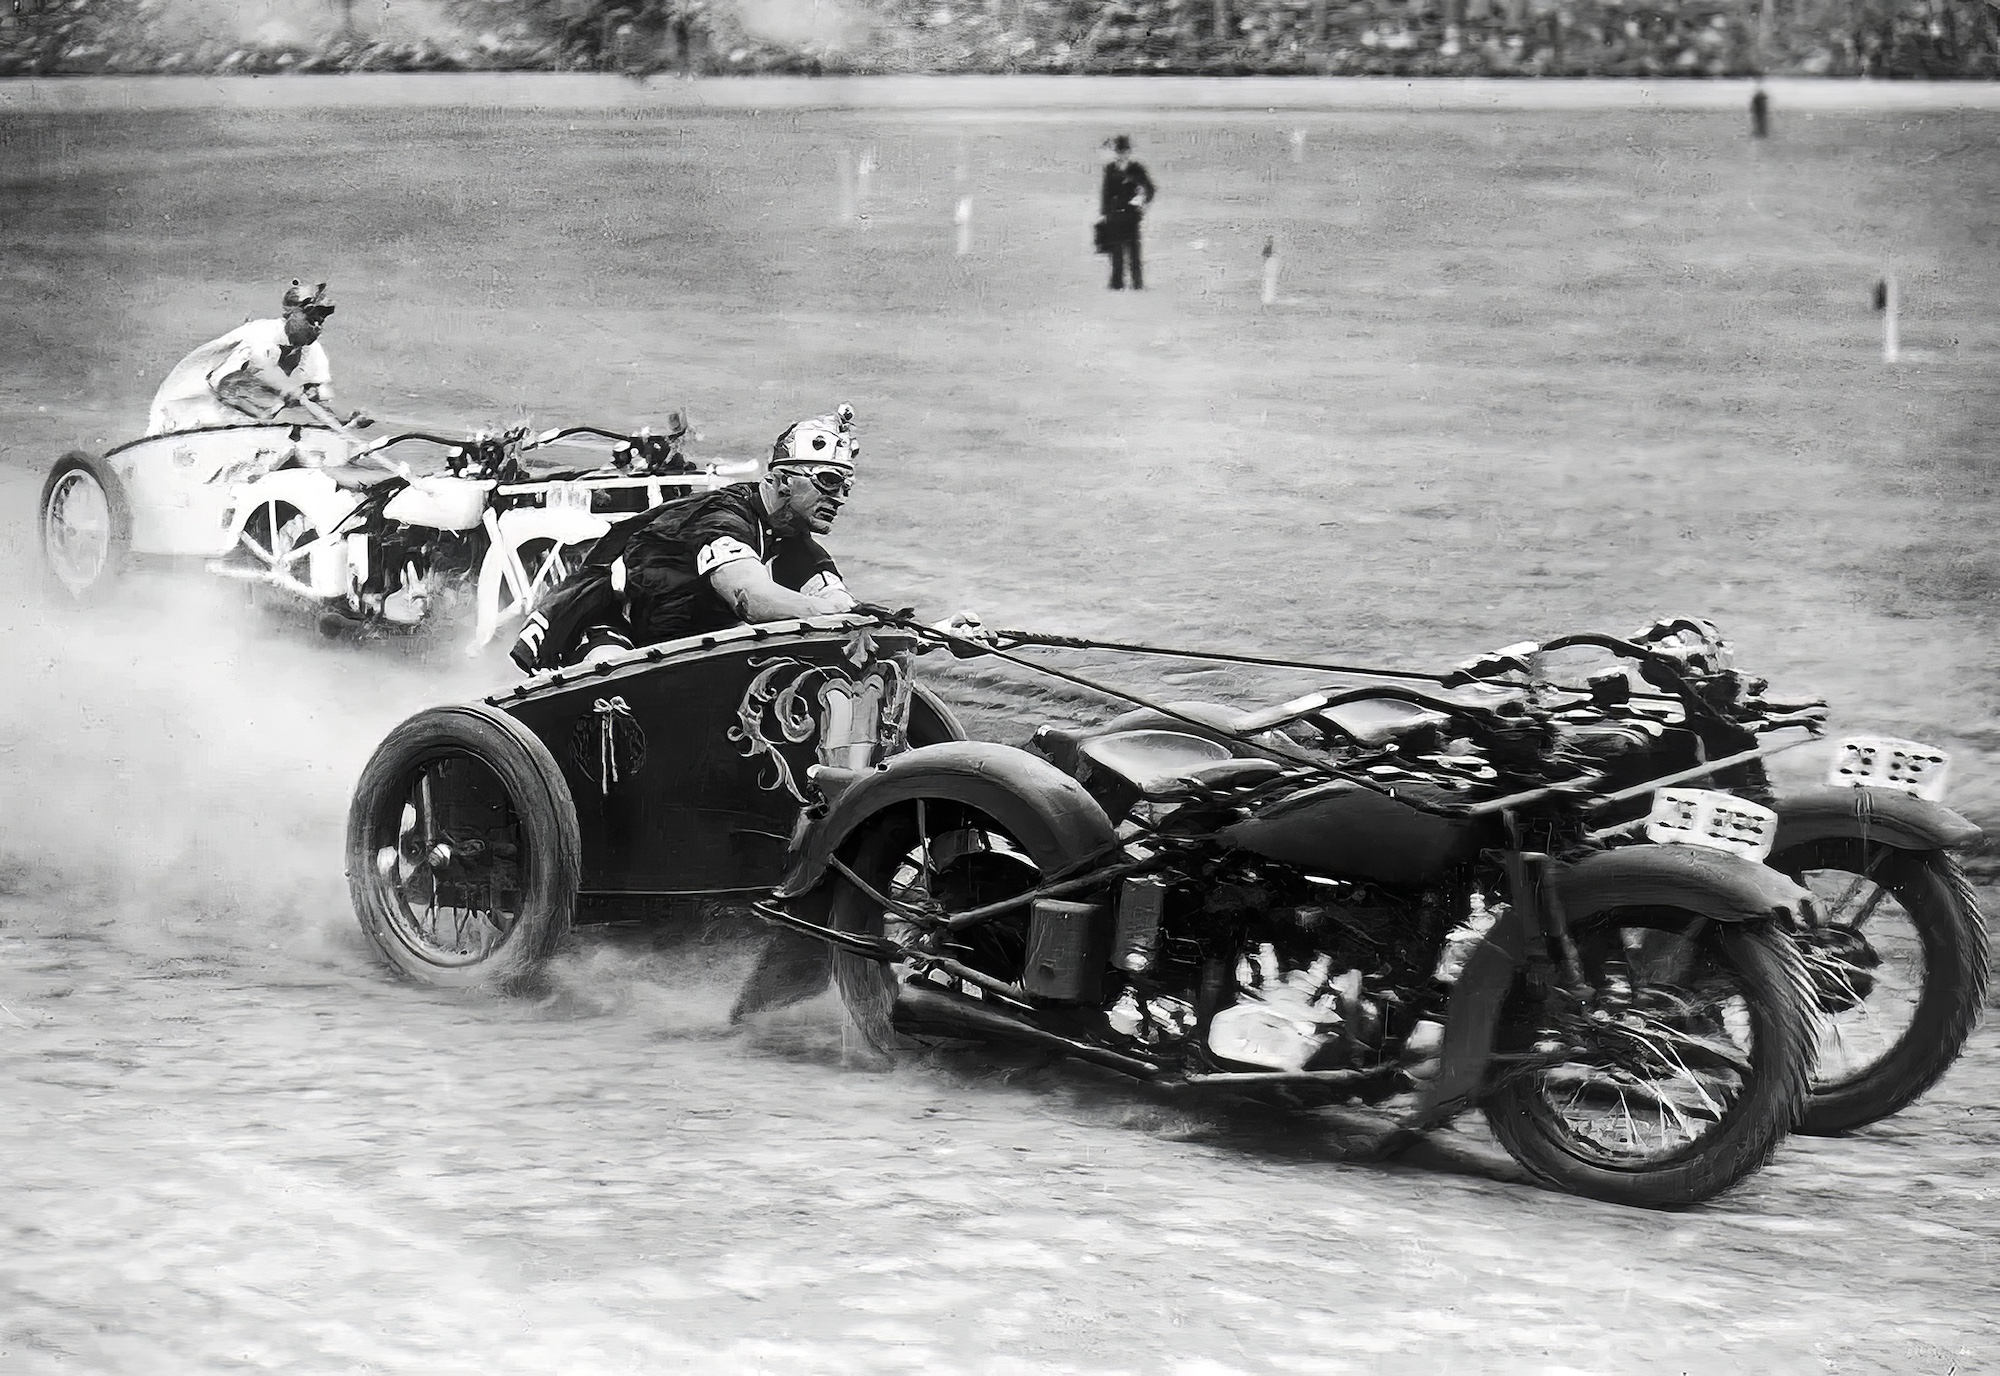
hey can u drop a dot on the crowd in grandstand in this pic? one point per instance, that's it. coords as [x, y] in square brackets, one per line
[1690, 38]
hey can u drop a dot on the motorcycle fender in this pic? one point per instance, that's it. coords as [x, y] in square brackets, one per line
[1713, 884]
[1043, 808]
[313, 494]
[1716, 884]
[1888, 815]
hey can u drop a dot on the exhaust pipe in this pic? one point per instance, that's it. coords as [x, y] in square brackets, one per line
[925, 1007]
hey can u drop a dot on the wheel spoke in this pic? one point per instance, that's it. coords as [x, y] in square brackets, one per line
[451, 873]
[1658, 1064]
[1867, 910]
[1868, 966]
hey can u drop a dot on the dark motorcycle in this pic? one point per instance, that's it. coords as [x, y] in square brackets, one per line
[1342, 897]
[1897, 949]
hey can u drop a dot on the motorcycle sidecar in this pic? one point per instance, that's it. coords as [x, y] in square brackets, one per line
[480, 833]
[173, 495]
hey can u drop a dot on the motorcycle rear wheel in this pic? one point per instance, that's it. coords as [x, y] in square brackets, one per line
[957, 856]
[1752, 1097]
[1938, 930]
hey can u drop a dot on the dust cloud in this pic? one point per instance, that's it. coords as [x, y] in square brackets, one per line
[176, 765]
[178, 760]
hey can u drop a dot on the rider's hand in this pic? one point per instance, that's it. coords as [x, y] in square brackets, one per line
[360, 420]
[963, 627]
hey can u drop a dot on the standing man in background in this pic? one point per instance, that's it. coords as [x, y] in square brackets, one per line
[1122, 203]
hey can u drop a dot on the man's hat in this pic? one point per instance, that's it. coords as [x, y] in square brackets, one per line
[1121, 144]
[314, 303]
[823, 441]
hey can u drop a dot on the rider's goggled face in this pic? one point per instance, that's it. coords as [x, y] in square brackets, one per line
[302, 328]
[814, 496]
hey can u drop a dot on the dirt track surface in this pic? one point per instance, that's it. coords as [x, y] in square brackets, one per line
[235, 1144]
[238, 1144]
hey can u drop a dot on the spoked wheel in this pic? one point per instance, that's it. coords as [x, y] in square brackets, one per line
[933, 857]
[547, 563]
[1682, 1074]
[463, 855]
[85, 528]
[1899, 965]
[275, 541]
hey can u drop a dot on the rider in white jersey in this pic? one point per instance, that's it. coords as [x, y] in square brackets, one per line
[254, 372]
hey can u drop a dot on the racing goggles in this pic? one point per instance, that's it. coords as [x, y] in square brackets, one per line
[834, 482]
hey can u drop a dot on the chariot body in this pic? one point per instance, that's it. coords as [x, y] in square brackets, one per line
[321, 519]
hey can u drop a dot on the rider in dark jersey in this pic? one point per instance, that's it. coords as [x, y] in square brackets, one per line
[742, 553]
[729, 556]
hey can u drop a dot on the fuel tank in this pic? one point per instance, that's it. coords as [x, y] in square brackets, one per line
[1345, 831]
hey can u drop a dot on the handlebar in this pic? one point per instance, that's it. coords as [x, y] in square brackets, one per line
[551, 436]
[490, 456]
[654, 453]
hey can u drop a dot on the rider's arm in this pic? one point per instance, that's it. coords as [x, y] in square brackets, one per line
[828, 587]
[314, 376]
[748, 589]
[803, 563]
[241, 380]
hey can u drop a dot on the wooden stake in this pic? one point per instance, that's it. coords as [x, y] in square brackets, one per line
[1270, 270]
[963, 216]
[1890, 344]
[862, 172]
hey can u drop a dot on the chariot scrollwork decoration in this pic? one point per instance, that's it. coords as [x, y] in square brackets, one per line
[850, 714]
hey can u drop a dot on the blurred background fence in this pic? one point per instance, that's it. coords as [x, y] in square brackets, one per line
[1551, 38]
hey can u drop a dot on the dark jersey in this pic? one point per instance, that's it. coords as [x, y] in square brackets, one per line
[668, 562]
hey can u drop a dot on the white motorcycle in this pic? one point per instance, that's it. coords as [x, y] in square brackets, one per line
[539, 529]
[324, 518]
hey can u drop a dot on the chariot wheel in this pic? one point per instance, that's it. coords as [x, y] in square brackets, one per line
[463, 854]
[85, 526]
[932, 722]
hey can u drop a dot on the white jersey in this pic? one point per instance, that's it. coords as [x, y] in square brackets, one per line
[187, 398]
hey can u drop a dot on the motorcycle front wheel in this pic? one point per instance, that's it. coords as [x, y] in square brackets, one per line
[1676, 1078]
[1899, 964]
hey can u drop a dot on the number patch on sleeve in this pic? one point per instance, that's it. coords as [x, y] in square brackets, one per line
[724, 549]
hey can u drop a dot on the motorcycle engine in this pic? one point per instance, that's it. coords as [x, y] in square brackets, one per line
[1301, 973]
